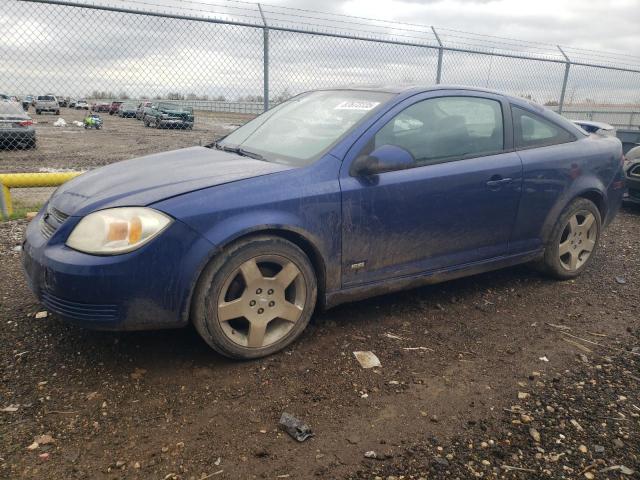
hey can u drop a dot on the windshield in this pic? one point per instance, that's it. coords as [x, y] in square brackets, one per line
[46, 98]
[175, 108]
[298, 131]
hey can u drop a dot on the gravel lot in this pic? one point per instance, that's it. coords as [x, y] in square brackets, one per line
[462, 391]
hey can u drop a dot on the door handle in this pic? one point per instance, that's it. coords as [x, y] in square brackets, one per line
[496, 182]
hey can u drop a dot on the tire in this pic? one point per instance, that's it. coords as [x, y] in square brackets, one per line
[158, 124]
[57, 112]
[38, 112]
[231, 337]
[146, 123]
[571, 234]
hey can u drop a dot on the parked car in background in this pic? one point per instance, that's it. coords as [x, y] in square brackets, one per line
[63, 101]
[26, 102]
[16, 127]
[115, 106]
[47, 103]
[102, 107]
[331, 196]
[127, 110]
[140, 111]
[81, 105]
[599, 128]
[72, 103]
[632, 173]
[4, 97]
[169, 115]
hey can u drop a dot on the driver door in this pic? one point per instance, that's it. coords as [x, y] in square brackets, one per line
[455, 207]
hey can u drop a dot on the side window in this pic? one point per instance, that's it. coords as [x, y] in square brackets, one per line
[446, 128]
[532, 130]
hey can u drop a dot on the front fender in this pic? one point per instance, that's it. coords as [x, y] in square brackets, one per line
[302, 203]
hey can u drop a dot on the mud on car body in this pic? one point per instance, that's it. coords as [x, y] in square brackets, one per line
[331, 196]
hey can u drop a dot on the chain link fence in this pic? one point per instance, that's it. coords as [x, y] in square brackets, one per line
[160, 76]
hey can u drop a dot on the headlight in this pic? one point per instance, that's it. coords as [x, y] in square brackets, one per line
[117, 230]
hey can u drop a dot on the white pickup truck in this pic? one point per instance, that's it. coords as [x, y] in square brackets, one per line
[47, 103]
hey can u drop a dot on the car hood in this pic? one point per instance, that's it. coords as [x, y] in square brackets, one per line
[149, 179]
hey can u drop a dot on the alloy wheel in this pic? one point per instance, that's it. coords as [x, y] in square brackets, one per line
[261, 301]
[578, 240]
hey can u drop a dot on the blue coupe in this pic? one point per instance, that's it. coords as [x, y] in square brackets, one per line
[332, 196]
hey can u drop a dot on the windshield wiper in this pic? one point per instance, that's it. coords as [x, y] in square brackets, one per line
[242, 152]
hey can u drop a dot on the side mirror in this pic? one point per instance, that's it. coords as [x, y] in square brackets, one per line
[386, 158]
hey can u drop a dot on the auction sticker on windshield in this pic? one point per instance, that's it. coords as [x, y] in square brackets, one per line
[356, 105]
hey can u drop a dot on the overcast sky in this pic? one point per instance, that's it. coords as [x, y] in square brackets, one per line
[75, 51]
[590, 24]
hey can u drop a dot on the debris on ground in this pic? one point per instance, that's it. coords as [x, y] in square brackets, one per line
[367, 359]
[60, 123]
[42, 314]
[295, 427]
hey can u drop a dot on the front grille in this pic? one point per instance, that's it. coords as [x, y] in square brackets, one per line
[51, 221]
[79, 311]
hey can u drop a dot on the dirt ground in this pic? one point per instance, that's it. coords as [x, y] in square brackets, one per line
[501, 375]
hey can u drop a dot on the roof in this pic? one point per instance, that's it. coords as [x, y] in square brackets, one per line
[397, 89]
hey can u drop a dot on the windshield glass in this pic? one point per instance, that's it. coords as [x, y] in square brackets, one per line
[46, 98]
[298, 131]
[175, 108]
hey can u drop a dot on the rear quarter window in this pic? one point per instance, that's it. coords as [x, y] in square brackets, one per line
[532, 130]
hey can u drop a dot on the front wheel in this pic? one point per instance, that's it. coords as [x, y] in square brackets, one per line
[574, 240]
[255, 298]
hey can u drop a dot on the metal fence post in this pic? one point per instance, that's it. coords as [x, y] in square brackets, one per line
[265, 58]
[440, 50]
[567, 65]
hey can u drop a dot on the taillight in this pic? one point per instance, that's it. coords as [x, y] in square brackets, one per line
[26, 123]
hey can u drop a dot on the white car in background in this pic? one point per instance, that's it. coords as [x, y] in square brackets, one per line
[599, 128]
[82, 105]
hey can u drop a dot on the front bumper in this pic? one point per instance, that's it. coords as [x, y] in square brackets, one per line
[174, 123]
[149, 288]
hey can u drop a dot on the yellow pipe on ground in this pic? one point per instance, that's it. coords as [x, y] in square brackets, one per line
[28, 180]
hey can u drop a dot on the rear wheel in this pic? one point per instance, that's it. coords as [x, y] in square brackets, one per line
[574, 240]
[255, 298]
